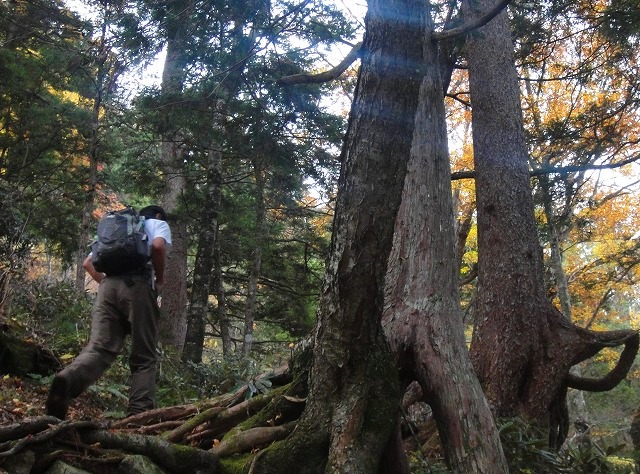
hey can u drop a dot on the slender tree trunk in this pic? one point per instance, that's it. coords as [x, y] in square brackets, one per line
[203, 267]
[353, 399]
[223, 319]
[89, 203]
[239, 45]
[422, 319]
[256, 256]
[575, 398]
[103, 85]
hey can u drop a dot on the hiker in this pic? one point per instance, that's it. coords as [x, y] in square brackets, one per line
[127, 303]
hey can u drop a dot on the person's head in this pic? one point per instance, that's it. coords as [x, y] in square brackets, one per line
[153, 212]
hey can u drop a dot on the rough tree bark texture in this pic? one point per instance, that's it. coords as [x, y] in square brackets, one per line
[522, 346]
[422, 318]
[352, 404]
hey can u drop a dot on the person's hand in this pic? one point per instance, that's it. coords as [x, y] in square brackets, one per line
[158, 287]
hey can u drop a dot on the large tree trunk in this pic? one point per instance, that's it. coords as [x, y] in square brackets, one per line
[522, 347]
[353, 401]
[422, 319]
[173, 322]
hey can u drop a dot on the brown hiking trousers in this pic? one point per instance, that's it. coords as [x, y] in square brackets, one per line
[124, 305]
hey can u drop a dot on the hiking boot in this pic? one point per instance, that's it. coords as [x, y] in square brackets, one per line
[58, 399]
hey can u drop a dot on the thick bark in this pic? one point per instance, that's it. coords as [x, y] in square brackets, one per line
[353, 400]
[422, 319]
[522, 347]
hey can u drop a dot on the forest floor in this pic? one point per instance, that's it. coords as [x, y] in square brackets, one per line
[22, 398]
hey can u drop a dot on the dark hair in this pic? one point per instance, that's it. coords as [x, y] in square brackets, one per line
[153, 211]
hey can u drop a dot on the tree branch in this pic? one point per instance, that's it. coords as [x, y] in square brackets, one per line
[324, 76]
[471, 25]
[553, 170]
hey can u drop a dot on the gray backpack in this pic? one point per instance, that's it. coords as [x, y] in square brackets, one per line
[121, 244]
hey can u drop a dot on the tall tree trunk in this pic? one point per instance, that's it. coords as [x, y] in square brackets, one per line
[575, 398]
[239, 45]
[103, 84]
[173, 322]
[422, 319]
[353, 398]
[557, 230]
[205, 256]
[522, 347]
[256, 256]
[90, 192]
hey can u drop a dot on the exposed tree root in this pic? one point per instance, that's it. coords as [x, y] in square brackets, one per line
[39, 436]
[251, 439]
[171, 437]
[631, 341]
[171, 456]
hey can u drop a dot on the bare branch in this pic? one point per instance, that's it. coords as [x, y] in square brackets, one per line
[553, 170]
[471, 25]
[324, 76]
